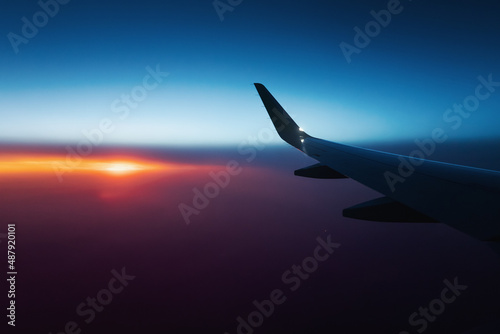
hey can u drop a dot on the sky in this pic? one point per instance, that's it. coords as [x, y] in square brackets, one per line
[140, 168]
[66, 77]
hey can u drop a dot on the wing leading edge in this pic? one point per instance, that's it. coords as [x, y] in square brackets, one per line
[465, 198]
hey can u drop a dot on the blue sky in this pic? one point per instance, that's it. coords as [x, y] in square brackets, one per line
[65, 79]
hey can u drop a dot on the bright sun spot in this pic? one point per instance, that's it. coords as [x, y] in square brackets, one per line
[120, 168]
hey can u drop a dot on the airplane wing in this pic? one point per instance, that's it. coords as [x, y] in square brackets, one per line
[413, 189]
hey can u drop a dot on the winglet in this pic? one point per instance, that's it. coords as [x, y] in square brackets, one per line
[287, 129]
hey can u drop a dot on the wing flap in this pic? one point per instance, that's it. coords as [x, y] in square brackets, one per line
[319, 171]
[384, 209]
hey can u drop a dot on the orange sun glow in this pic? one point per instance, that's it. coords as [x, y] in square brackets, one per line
[15, 163]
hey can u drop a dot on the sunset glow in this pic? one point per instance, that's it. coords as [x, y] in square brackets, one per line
[15, 164]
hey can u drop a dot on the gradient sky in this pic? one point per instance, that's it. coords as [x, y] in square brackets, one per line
[65, 79]
[119, 206]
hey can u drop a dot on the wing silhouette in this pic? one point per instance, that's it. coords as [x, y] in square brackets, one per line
[414, 190]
